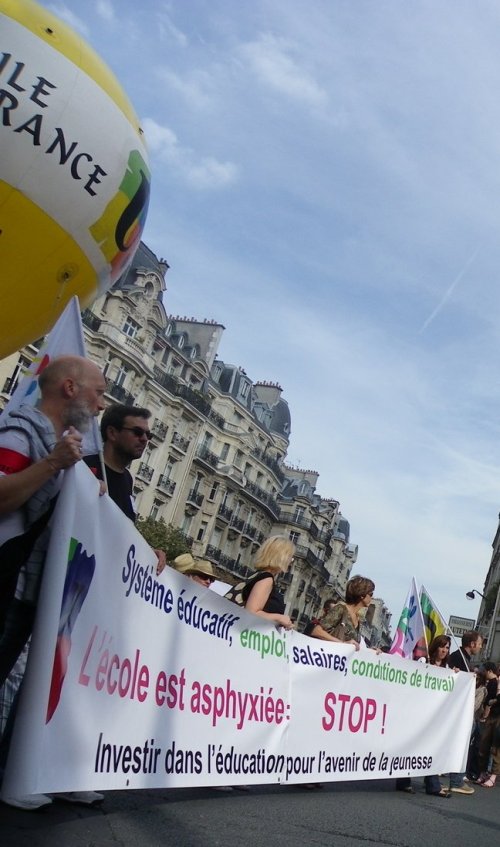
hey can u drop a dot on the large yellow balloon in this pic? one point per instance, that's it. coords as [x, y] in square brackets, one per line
[74, 179]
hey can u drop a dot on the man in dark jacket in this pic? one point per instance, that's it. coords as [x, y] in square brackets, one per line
[472, 643]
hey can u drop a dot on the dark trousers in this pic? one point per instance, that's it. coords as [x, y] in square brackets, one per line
[17, 630]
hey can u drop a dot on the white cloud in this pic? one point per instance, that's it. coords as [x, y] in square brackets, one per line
[195, 89]
[168, 30]
[271, 58]
[200, 172]
[209, 173]
[105, 10]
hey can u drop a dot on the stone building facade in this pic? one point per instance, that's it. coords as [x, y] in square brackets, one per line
[488, 621]
[215, 465]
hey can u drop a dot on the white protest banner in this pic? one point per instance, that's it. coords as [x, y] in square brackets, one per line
[141, 681]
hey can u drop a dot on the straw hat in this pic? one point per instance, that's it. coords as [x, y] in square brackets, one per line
[183, 563]
[200, 566]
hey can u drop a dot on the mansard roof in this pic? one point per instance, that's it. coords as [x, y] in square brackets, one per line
[144, 259]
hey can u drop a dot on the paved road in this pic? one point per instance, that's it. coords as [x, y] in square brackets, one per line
[341, 815]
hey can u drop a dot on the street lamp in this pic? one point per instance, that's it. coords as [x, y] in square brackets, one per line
[472, 594]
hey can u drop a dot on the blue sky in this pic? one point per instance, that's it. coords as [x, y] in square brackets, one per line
[326, 184]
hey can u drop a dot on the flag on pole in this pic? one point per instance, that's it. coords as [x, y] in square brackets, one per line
[434, 624]
[64, 339]
[410, 626]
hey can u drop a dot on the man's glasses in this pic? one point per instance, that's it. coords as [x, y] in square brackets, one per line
[139, 431]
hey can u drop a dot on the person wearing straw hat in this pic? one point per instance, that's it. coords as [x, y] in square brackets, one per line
[199, 570]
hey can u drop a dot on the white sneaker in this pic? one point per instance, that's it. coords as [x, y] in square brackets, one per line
[28, 802]
[86, 798]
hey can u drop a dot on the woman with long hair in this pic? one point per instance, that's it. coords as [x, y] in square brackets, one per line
[439, 649]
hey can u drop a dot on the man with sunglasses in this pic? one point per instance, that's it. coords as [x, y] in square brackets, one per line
[125, 434]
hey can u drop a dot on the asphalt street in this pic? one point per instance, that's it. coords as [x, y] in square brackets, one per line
[358, 814]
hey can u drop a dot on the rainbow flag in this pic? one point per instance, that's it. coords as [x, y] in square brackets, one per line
[433, 622]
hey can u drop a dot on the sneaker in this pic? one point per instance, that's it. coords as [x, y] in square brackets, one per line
[28, 802]
[86, 798]
[462, 789]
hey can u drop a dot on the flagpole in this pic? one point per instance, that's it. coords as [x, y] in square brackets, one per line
[103, 469]
[422, 617]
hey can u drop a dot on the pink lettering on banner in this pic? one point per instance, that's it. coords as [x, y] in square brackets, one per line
[229, 703]
[351, 714]
[170, 690]
[109, 672]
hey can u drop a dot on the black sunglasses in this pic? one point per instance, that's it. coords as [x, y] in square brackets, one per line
[139, 431]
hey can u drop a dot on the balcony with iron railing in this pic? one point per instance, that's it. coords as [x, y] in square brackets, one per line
[262, 498]
[217, 419]
[203, 454]
[194, 498]
[313, 560]
[321, 535]
[159, 429]
[167, 381]
[194, 398]
[235, 567]
[236, 524]
[249, 531]
[269, 462]
[180, 443]
[145, 472]
[224, 512]
[213, 553]
[226, 562]
[91, 321]
[165, 484]
[118, 392]
[294, 518]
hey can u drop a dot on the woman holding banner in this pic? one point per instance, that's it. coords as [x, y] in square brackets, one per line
[260, 595]
[439, 650]
[343, 620]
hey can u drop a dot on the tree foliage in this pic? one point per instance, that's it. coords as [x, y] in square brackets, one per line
[162, 536]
